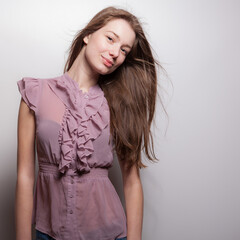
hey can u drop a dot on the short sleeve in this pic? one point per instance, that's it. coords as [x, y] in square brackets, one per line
[29, 89]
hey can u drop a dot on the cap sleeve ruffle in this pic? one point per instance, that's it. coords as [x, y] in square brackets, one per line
[29, 90]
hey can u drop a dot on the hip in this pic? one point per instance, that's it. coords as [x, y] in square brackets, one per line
[43, 236]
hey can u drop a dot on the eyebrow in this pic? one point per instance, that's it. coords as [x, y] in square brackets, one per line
[119, 38]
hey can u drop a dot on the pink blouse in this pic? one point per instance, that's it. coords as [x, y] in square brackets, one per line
[74, 198]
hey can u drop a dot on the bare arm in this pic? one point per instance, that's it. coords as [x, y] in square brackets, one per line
[25, 172]
[134, 202]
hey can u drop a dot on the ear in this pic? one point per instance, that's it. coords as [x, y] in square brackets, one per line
[86, 38]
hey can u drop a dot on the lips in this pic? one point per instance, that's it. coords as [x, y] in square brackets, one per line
[107, 62]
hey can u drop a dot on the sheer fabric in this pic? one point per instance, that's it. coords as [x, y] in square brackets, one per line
[74, 198]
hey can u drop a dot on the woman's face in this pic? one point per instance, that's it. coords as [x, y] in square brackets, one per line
[107, 48]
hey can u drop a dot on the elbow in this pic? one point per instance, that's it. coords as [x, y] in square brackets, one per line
[132, 183]
[25, 180]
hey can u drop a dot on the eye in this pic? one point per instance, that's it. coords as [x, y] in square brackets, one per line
[124, 51]
[109, 38]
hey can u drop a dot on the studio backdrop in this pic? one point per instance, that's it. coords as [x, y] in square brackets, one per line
[192, 193]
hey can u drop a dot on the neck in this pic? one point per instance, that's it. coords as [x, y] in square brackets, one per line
[82, 73]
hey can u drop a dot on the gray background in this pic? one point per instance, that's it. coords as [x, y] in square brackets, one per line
[193, 192]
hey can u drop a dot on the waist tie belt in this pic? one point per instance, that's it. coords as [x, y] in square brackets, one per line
[53, 169]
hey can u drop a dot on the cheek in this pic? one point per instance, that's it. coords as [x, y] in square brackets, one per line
[100, 44]
[120, 60]
[92, 53]
[119, 63]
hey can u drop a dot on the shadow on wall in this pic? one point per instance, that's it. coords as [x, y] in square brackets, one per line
[7, 202]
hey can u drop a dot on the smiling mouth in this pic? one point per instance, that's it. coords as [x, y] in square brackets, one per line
[107, 62]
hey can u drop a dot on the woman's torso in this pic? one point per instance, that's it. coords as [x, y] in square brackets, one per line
[74, 198]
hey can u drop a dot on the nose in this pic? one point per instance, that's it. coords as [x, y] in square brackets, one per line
[114, 52]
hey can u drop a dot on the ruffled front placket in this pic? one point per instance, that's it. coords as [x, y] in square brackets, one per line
[83, 121]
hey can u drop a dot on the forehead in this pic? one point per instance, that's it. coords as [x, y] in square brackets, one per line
[122, 28]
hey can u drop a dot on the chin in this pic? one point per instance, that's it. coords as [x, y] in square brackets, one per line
[105, 71]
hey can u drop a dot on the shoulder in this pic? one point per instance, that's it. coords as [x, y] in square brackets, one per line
[31, 89]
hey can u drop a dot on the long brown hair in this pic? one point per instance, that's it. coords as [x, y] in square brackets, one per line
[130, 90]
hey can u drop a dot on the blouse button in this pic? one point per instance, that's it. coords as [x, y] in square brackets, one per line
[71, 211]
[86, 96]
[71, 196]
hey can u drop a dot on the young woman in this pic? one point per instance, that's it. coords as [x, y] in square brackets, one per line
[104, 101]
